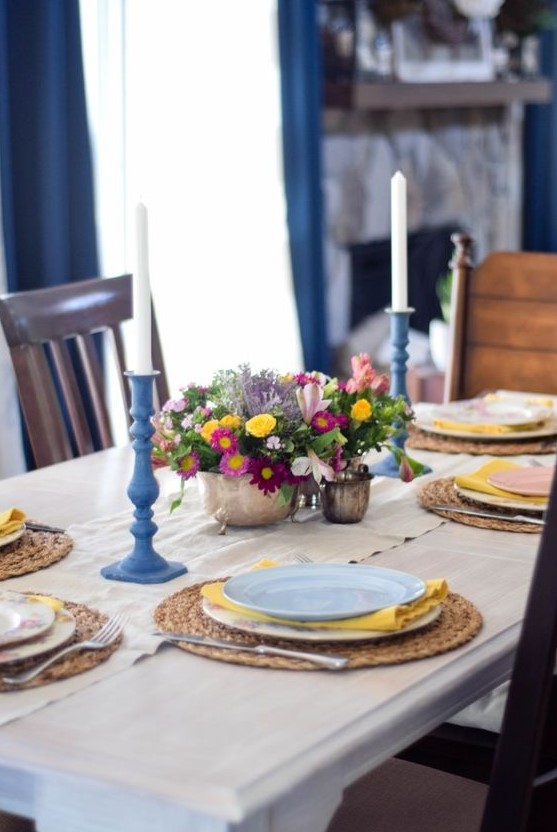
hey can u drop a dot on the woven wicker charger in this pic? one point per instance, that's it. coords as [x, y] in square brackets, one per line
[424, 441]
[443, 492]
[33, 551]
[88, 621]
[458, 622]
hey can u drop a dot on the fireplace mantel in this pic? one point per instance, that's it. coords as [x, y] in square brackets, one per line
[394, 95]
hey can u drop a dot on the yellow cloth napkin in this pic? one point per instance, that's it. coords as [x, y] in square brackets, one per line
[389, 619]
[54, 603]
[494, 430]
[11, 520]
[478, 481]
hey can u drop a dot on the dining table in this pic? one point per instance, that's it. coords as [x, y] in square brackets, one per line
[158, 738]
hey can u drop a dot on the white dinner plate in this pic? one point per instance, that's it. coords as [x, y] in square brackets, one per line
[491, 412]
[501, 502]
[22, 618]
[232, 618]
[61, 631]
[548, 428]
[322, 591]
[9, 538]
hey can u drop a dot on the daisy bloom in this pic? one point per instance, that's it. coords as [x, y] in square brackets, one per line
[234, 465]
[323, 421]
[224, 440]
[189, 465]
[267, 475]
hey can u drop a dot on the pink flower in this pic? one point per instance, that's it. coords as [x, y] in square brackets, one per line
[223, 440]
[380, 384]
[189, 465]
[323, 421]
[234, 465]
[175, 405]
[362, 373]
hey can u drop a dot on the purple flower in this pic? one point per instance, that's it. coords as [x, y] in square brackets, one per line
[323, 422]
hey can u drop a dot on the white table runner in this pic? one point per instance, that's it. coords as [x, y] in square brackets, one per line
[188, 535]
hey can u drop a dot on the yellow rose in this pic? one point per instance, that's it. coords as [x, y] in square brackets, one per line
[230, 421]
[361, 410]
[208, 429]
[261, 425]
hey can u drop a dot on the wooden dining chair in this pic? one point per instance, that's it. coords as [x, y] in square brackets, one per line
[521, 796]
[60, 340]
[504, 322]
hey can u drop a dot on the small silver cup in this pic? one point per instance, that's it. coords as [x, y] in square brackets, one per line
[345, 500]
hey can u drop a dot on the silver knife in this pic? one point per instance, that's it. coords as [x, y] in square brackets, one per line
[492, 515]
[41, 527]
[325, 659]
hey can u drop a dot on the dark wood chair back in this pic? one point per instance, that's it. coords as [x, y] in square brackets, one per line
[504, 323]
[525, 767]
[59, 338]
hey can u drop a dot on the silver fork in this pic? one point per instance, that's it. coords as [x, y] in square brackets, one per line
[107, 634]
[302, 558]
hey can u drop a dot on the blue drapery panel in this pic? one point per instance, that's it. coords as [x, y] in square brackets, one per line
[540, 160]
[45, 155]
[300, 63]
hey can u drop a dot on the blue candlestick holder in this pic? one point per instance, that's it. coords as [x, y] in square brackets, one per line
[389, 466]
[143, 565]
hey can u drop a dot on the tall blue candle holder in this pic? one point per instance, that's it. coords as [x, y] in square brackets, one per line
[143, 565]
[400, 319]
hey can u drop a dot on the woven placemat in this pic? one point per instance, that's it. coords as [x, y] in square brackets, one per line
[423, 441]
[88, 621]
[458, 622]
[443, 492]
[33, 551]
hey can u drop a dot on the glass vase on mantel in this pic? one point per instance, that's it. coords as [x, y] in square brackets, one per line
[233, 501]
[346, 498]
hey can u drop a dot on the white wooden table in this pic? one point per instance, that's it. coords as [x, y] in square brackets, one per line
[180, 742]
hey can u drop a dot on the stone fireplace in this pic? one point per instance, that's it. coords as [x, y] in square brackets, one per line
[464, 172]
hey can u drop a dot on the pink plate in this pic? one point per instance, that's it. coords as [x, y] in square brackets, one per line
[528, 482]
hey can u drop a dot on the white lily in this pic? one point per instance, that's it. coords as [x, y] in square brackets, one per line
[311, 401]
[311, 464]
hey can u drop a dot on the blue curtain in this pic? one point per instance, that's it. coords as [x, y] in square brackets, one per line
[45, 156]
[300, 63]
[540, 160]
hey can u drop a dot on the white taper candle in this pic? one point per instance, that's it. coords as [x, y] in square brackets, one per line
[399, 244]
[142, 296]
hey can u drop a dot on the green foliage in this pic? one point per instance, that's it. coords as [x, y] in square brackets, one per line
[443, 288]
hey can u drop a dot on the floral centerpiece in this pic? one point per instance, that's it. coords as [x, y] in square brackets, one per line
[280, 429]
